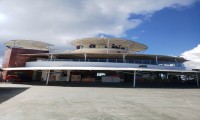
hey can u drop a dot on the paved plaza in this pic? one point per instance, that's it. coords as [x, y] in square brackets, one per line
[34, 102]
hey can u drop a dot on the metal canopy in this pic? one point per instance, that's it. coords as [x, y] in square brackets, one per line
[28, 44]
[99, 68]
[130, 45]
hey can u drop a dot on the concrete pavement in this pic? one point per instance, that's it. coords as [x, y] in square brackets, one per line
[91, 103]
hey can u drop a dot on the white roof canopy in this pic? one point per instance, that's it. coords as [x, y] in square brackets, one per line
[98, 68]
[131, 45]
[28, 44]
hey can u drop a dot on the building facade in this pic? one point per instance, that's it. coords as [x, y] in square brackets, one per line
[92, 60]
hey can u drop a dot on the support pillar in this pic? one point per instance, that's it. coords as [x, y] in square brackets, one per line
[68, 75]
[48, 74]
[124, 56]
[85, 57]
[108, 44]
[175, 62]
[134, 78]
[197, 77]
[51, 57]
[156, 60]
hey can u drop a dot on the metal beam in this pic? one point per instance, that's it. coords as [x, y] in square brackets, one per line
[197, 77]
[51, 57]
[108, 44]
[99, 68]
[48, 77]
[68, 75]
[85, 56]
[124, 58]
[134, 79]
[156, 60]
[175, 62]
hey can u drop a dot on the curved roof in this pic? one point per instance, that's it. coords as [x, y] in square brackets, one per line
[131, 45]
[28, 44]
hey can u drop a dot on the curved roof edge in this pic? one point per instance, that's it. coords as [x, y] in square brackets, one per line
[28, 44]
[132, 45]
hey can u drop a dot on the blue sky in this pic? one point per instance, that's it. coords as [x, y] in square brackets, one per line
[169, 31]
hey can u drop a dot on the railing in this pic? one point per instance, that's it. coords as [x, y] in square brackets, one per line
[133, 61]
[102, 47]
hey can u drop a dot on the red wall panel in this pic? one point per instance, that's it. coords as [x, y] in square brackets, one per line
[12, 57]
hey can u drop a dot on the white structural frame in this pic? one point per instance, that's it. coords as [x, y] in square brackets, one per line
[102, 68]
[197, 77]
[134, 79]
[48, 74]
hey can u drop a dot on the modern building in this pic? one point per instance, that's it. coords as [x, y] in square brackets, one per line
[93, 60]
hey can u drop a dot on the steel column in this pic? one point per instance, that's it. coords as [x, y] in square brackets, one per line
[156, 60]
[108, 44]
[197, 77]
[124, 56]
[51, 57]
[48, 77]
[85, 57]
[134, 79]
[68, 75]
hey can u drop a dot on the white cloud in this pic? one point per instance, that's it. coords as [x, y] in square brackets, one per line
[193, 56]
[59, 21]
[62, 20]
[192, 65]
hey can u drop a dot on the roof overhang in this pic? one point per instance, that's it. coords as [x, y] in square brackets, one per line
[100, 68]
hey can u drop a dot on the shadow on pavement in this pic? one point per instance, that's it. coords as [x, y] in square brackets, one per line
[115, 85]
[7, 93]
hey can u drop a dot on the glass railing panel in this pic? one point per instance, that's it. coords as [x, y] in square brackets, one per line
[81, 60]
[153, 62]
[119, 61]
[75, 59]
[92, 60]
[171, 63]
[67, 59]
[138, 61]
[102, 60]
[133, 61]
[160, 63]
[146, 62]
[112, 60]
[179, 65]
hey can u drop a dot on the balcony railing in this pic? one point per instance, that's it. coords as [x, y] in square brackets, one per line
[133, 61]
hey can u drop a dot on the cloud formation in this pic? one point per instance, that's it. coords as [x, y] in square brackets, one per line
[193, 56]
[59, 21]
[62, 20]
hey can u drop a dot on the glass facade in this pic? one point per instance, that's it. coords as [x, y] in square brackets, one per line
[133, 61]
